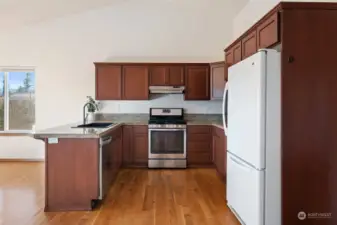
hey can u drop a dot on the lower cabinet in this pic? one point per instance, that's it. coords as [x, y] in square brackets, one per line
[113, 160]
[219, 151]
[199, 146]
[135, 145]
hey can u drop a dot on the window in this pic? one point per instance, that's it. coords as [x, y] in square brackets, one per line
[17, 100]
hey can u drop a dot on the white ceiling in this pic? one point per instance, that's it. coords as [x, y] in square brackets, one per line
[17, 13]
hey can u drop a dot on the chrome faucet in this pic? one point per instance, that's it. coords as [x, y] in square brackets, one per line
[85, 105]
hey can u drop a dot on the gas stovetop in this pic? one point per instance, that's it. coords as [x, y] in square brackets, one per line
[156, 121]
[167, 118]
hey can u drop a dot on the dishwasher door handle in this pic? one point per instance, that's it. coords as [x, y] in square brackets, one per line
[106, 140]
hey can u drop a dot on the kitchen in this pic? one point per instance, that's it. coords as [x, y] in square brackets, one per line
[232, 172]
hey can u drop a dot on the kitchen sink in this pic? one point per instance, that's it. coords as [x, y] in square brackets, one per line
[95, 125]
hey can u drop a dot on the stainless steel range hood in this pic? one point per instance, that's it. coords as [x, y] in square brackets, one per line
[166, 89]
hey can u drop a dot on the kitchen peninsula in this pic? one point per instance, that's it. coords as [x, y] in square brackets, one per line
[82, 163]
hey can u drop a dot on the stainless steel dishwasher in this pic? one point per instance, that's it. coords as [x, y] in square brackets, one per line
[103, 159]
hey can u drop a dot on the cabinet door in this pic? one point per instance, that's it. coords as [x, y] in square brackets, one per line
[140, 145]
[229, 56]
[268, 32]
[127, 145]
[249, 45]
[158, 76]
[199, 146]
[226, 66]
[108, 82]
[119, 147]
[217, 80]
[197, 83]
[219, 150]
[107, 166]
[135, 83]
[237, 54]
[176, 76]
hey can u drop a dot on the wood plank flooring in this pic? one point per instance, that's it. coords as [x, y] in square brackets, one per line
[138, 197]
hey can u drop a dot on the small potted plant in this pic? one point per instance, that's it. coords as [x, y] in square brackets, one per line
[92, 108]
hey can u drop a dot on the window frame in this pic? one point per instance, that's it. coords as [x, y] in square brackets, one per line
[6, 70]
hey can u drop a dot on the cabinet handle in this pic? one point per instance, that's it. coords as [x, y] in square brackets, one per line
[291, 59]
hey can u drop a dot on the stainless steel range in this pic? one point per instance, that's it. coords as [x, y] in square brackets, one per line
[167, 138]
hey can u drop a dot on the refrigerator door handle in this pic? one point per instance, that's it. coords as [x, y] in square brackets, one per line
[224, 108]
[243, 166]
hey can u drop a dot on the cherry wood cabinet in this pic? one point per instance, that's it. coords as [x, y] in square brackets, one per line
[108, 82]
[167, 76]
[265, 33]
[127, 145]
[199, 146]
[135, 83]
[229, 57]
[249, 44]
[268, 32]
[116, 152]
[72, 164]
[158, 75]
[176, 76]
[219, 151]
[197, 83]
[217, 80]
[135, 145]
[237, 52]
[140, 145]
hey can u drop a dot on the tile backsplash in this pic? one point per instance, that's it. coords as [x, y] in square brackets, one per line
[162, 100]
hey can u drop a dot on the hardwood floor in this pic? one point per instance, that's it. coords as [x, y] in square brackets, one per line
[138, 197]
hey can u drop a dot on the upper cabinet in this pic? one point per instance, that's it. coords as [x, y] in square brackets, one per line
[237, 52]
[249, 44]
[264, 34]
[135, 83]
[167, 76]
[176, 76]
[197, 83]
[108, 82]
[121, 82]
[158, 75]
[131, 81]
[268, 32]
[217, 80]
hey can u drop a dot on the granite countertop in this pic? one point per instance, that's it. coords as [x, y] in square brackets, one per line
[68, 130]
[71, 131]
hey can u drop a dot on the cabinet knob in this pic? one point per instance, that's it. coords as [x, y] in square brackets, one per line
[291, 59]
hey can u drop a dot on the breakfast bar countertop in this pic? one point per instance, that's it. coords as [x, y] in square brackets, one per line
[71, 131]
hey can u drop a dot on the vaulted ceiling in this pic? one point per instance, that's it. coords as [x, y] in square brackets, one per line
[16, 13]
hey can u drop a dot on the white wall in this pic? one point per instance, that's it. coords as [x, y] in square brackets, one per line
[255, 10]
[63, 52]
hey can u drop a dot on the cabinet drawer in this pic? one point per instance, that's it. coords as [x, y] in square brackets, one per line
[198, 129]
[140, 129]
[249, 44]
[199, 146]
[199, 158]
[199, 137]
[268, 32]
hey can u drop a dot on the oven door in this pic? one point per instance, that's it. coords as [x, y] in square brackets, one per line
[167, 143]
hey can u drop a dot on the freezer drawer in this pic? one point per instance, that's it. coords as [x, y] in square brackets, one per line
[245, 188]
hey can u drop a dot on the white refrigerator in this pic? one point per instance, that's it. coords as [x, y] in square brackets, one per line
[252, 122]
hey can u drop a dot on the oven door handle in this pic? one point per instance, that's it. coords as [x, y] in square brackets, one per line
[182, 129]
